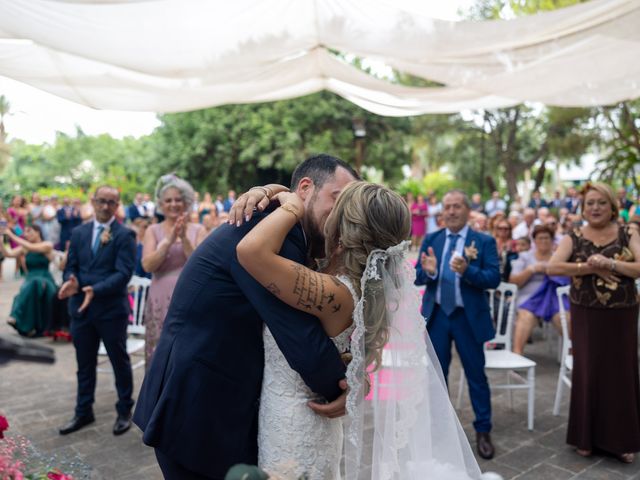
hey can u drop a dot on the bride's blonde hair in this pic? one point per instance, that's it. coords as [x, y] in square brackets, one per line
[367, 217]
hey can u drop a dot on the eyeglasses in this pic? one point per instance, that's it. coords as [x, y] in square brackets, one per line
[103, 201]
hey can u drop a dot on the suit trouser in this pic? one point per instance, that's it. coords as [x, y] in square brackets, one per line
[86, 335]
[442, 330]
[174, 471]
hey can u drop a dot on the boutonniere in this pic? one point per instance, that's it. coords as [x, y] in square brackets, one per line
[105, 237]
[471, 252]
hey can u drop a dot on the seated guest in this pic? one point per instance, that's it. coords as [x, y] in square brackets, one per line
[523, 244]
[167, 247]
[32, 307]
[506, 247]
[528, 273]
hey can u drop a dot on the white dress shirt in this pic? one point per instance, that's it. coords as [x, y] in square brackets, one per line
[96, 225]
[462, 238]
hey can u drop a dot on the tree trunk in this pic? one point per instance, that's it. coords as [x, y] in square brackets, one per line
[540, 174]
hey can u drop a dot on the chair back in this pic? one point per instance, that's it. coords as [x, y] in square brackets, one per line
[138, 288]
[502, 305]
[566, 340]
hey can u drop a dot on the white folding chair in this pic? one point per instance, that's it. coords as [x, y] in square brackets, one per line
[504, 359]
[138, 287]
[566, 362]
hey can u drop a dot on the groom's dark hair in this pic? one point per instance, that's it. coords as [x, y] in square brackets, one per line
[319, 168]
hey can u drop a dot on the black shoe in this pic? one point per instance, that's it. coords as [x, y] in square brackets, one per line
[123, 423]
[76, 424]
[484, 445]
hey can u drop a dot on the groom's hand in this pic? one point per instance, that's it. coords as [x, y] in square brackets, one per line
[335, 409]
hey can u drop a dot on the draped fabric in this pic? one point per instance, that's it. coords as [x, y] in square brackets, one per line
[177, 55]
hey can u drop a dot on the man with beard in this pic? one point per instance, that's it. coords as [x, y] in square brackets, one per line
[198, 406]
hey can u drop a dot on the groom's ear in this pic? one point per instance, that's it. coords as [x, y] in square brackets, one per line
[305, 188]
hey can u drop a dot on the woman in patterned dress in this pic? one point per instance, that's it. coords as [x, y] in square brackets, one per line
[603, 259]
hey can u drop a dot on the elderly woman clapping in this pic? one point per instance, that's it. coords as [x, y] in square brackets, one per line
[167, 247]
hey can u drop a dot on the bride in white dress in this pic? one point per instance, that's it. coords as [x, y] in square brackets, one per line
[365, 302]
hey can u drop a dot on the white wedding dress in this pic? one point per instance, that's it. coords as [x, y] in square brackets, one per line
[292, 439]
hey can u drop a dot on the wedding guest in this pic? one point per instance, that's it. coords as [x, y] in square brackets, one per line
[68, 217]
[140, 226]
[137, 208]
[435, 209]
[572, 200]
[624, 202]
[220, 204]
[167, 247]
[149, 205]
[210, 221]
[603, 260]
[523, 244]
[557, 201]
[231, 197]
[35, 209]
[528, 273]
[455, 306]
[476, 203]
[516, 205]
[506, 247]
[552, 222]
[31, 309]
[49, 223]
[100, 264]
[419, 213]
[495, 204]
[206, 207]
[523, 229]
[17, 213]
[537, 201]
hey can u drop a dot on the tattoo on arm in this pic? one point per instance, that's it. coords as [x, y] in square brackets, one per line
[273, 288]
[310, 292]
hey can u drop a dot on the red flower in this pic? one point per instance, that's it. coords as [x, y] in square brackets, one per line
[58, 475]
[4, 425]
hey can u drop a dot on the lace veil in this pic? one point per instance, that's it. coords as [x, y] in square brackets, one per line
[411, 431]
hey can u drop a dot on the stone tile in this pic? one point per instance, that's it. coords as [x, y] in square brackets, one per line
[569, 460]
[546, 472]
[597, 472]
[525, 457]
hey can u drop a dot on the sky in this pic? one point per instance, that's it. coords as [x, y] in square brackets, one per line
[37, 115]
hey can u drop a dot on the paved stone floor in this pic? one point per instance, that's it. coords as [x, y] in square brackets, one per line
[37, 399]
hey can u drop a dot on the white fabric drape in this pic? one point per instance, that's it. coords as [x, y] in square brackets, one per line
[176, 55]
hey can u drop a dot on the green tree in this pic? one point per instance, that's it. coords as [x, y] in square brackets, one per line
[5, 151]
[236, 146]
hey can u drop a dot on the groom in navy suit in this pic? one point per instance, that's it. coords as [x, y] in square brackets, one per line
[198, 406]
[101, 260]
[458, 264]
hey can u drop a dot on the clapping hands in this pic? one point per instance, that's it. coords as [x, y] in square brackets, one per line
[179, 229]
[428, 261]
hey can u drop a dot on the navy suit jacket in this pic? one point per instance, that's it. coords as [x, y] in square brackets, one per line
[199, 400]
[108, 272]
[482, 273]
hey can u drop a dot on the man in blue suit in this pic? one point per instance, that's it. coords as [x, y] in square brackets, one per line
[102, 256]
[198, 406]
[458, 264]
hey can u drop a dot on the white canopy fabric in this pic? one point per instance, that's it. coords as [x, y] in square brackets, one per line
[178, 55]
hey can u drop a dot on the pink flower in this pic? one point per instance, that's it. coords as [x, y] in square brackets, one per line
[4, 425]
[56, 474]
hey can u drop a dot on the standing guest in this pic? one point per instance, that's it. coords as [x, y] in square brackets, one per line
[17, 214]
[624, 202]
[206, 207]
[537, 201]
[49, 221]
[228, 203]
[435, 209]
[149, 205]
[137, 208]
[419, 213]
[31, 309]
[35, 209]
[196, 202]
[523, 229]
[603, 260]
[514, 219]
[102, 256]
[458, 265]
[219, 204]
[479, 222]
[68, 217]
[528, 272]
[557, 201]
[572, 200]
[476, 203]
[167, 247]
[506, 247]
[140, 226]
[517, 205]
[495, 204]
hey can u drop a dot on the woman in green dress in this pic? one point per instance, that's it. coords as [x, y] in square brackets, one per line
[32, 307]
